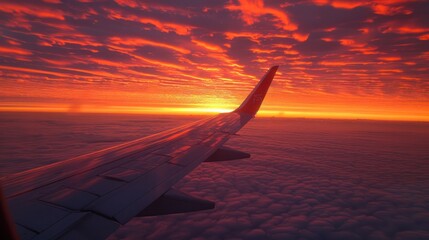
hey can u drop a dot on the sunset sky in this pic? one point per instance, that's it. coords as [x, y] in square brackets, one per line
[338, 58]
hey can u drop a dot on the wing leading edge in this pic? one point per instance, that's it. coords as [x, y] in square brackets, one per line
[90, 196]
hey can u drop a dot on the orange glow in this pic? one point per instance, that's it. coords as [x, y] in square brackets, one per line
[334, 110]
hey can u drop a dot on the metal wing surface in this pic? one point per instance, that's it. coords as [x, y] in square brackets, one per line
[90, 196]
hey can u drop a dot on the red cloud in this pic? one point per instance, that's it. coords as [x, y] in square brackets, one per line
[14, 50]
[38, 11]
[162, 26]
[300, 37]
[129, 41]
[36, 71]
[381, 7]
[128, 3]
[424, 37]
[405, 29]
[252, 10]
[208, 46]
[390, 58]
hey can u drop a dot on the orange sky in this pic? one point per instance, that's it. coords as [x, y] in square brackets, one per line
[338, 58]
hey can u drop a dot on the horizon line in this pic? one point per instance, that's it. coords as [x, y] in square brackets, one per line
[177, 111]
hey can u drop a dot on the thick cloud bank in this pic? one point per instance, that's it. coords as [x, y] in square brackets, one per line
[307, 179]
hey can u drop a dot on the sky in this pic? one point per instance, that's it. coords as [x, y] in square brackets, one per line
[338, 58]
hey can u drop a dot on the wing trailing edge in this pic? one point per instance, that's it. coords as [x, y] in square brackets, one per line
[253, 102]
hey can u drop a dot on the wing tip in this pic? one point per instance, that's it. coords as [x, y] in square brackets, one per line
[254, 100]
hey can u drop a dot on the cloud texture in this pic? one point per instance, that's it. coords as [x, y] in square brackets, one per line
[209, 54]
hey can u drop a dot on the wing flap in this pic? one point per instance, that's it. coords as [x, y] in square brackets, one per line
[227, 154]
[114, 203]
[29, 215]
[62, 226]
[122, 174]
[70, 198]
[189, 156]
[98, 186]
[147, 162]
[90, 227]
[175, 201]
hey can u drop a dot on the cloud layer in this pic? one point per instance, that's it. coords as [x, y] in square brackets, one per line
[307, 179]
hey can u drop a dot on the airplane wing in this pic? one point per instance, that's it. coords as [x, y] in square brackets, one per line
[90, 196]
